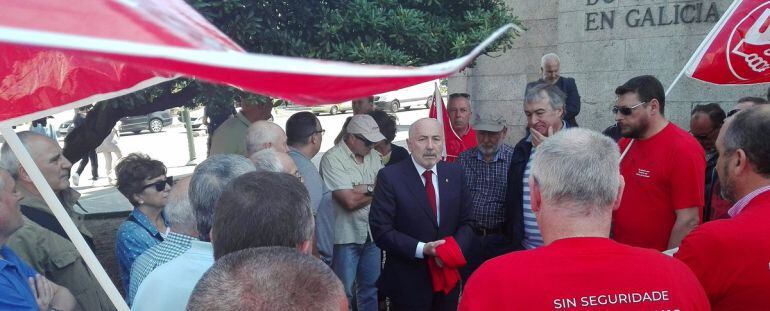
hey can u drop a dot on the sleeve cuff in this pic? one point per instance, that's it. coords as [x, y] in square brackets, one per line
[418, 252]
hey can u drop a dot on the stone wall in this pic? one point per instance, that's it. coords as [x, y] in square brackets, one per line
[601, 43]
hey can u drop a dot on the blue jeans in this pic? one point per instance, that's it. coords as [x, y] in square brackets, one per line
[359, 263]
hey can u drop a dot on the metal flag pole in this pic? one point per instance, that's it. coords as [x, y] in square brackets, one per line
[12, 139]
[709, 38]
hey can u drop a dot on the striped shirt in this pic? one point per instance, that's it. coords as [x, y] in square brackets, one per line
[532, 236]
[174, 245]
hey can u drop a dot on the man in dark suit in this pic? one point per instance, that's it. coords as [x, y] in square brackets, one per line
[418, 205]
[549, 68]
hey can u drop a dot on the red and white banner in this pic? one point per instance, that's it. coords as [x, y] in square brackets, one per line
[55, 55]
[737, 50]
[453, 145]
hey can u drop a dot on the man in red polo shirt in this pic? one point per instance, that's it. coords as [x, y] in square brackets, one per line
[459, 109]
[580, 267]
[664, 168]
[731, 257]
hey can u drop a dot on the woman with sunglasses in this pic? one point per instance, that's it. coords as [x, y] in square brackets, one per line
[143, 182]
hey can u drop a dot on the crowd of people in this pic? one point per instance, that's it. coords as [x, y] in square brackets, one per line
[647, 216]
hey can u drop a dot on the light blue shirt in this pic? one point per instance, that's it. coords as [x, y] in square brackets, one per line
[169, 286]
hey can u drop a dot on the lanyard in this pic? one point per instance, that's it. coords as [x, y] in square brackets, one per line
[623, 155]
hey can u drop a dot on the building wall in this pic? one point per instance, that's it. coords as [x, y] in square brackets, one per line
[602, 44]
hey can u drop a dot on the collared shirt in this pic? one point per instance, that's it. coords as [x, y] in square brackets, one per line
[16, 294]
[434, 176]
[320, 202]
[741, 204]
[174, 245]
[170, 285]
[340, 171]
[55, 256]
[230, 137]
[310, 177]
[134, 237]
[487, 182]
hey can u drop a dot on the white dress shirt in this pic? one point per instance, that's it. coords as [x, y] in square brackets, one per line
[420, 170]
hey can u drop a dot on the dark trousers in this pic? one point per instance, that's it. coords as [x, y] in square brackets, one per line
[485, 247]
[440, 302]
[94, 164]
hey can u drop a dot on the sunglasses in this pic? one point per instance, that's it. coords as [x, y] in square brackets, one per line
[161, 185]
[367, 143]
[321, 131]
[626, 111]
[732, 112]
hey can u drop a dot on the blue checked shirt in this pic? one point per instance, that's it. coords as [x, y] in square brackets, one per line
[174, 245]
[487, 182]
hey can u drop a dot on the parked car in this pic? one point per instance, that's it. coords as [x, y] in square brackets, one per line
[65, 128]
[196, 119]
[333, 108]
[408, 97]
[153, 122]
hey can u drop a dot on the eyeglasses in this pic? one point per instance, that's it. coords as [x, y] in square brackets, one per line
[626, 111]
[161, 185]
[732, 112]
[367, 143]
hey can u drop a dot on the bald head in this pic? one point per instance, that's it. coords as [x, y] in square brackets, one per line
[265, 135]
[425, 142]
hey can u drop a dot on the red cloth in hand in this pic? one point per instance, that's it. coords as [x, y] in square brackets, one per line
[445, 278]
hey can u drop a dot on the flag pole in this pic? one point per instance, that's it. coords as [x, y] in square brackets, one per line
[12, 139]
[709, 38]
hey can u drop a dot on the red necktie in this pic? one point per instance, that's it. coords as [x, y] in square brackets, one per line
[429, 190]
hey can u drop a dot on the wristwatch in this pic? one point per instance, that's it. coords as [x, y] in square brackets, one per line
[369, 190]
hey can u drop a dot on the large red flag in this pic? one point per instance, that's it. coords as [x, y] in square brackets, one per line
[737, 50]
[453, 145]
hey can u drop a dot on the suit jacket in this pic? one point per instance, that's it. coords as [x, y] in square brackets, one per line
[401, 216]
[572, 102]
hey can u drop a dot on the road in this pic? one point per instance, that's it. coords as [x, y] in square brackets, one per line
[170, 147]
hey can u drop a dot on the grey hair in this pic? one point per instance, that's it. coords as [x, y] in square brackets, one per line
[261, 133]
[8, 159]
[179, 211]
[268, 278]
[207, 183]
[545, 91]
[748, 132]
[581, 167]
[547, 57]
[266, 160]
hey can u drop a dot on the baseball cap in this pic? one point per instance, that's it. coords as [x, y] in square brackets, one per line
[488, 123]
[364, 124]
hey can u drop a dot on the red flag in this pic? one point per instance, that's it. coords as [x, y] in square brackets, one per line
[737, 50]
[453, 145]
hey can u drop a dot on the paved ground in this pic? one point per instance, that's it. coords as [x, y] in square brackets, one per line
[108, 208]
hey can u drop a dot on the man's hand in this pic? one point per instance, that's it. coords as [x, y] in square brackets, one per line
[538, 138]
[430, 248]
[439, 262]
[42, 288]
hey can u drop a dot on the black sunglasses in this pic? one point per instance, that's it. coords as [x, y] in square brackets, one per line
[367, 143]
[732, 112]
[161, 185]
[626, 111]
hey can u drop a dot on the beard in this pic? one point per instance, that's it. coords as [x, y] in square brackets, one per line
[727, 187]
[489, 151]
[635, 131]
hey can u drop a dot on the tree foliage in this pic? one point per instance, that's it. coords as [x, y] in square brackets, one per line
[395, 32]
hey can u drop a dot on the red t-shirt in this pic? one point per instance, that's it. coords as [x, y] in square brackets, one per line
[663, 173]
[454, 148]
[731, 257]
[584, 274]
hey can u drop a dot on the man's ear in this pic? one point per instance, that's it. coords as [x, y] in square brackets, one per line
[619, 198]
[655, 105]
[741, 164]
[23, 175]
[534, 193]
[306, 247]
